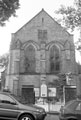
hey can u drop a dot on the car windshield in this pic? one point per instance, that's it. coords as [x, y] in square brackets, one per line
[72, 104]
[69, 103]
[20, 99]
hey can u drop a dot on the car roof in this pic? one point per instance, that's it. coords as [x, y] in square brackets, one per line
[6, 93]
[72, 104]
[71, 101]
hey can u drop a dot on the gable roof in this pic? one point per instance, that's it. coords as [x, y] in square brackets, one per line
[47, 15]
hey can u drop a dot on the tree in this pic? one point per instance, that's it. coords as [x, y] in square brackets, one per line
[71, 16]
[7, 9]
[59, 84]
[4, 60]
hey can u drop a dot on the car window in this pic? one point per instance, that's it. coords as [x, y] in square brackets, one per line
[71, 104]
[6, 99]
[78, 106]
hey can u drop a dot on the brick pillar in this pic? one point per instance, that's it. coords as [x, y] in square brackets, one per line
[43, 59]
[43, 69]
[37, 61]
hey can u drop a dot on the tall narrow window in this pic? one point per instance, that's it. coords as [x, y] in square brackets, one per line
[54, 59]
[40, 34]
[44, 34]
[30, 62]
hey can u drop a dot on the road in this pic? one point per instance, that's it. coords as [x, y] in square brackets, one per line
[52, 117]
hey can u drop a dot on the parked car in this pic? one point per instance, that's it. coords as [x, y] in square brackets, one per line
[11, 108]
[71, 110]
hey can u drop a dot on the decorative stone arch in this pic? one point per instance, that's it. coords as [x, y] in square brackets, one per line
[58, 44]
[54, 45]
[31, 42]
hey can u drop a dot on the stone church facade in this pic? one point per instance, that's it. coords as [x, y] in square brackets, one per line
[39, 52]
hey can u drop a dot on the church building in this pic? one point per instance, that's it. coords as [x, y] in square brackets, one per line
[40, 52]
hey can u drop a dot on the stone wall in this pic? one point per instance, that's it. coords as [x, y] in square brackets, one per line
[28, 35]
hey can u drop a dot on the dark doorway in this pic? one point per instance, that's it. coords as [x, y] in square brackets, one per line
[28, 94]
[70, 93]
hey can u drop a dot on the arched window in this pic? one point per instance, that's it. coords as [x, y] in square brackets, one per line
[30, 62]
[54, 59]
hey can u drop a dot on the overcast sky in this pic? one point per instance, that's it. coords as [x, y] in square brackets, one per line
[28, 9]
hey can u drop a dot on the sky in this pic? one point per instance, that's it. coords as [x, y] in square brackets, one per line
[28, 9]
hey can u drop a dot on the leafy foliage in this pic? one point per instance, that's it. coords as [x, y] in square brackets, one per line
[7, 9]
[71, 16]
[4, 60]
[59, 84]
[78, 44]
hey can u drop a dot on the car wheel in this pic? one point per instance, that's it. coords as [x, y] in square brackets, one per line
[26, 117]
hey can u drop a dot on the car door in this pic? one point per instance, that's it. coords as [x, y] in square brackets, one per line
[8, 107]
[78, 111]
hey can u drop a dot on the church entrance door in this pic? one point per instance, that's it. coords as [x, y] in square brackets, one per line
[28, 94]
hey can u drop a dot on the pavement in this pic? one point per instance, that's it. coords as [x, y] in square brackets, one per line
[50, 108]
